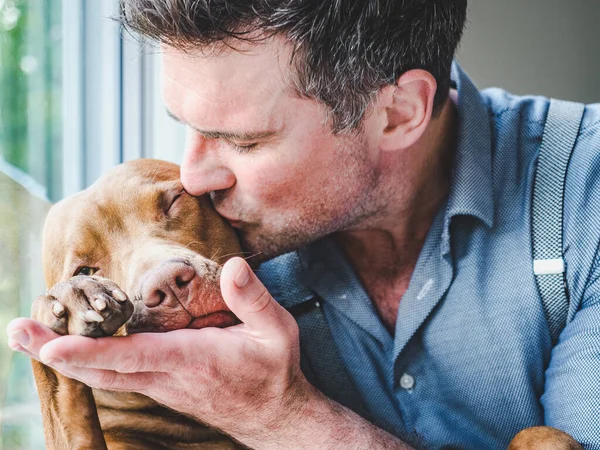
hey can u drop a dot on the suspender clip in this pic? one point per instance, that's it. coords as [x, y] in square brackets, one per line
[548, 266]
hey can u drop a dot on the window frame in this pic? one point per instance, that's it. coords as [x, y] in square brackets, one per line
[112, 113]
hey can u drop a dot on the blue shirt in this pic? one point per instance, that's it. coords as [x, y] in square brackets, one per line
[471, 361]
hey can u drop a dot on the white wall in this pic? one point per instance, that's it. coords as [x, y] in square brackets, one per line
[547, 47]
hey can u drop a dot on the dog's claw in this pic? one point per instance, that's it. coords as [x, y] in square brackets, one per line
[100, 304]
[119, 295]
[58, 310]
[92, 316]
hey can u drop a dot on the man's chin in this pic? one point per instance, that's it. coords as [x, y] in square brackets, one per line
[259, 249]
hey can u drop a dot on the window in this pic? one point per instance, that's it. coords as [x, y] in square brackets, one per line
[30, 173]
[76, 98]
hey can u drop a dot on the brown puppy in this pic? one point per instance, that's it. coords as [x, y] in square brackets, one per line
[134, 231]
[135, 253]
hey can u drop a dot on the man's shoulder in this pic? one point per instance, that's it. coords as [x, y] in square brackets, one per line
[505, 105]
[581, 222]
[517, 125]
[531, 110]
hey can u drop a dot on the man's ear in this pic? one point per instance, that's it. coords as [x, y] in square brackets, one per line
[405, 109]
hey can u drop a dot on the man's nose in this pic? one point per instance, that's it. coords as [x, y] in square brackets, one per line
[202, 170]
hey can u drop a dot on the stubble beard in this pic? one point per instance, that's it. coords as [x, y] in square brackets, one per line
[357, 197]
[261, 245]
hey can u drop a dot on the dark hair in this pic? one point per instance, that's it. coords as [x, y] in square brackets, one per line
[344, 50]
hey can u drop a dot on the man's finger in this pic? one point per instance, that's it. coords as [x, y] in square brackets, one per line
[29, 335]
[250, 301]
[109, 379]
[17, 348]
[143, 352]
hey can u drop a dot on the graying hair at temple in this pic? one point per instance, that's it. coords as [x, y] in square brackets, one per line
[344, 50]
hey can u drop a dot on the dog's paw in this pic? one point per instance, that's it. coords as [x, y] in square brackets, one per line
[84, 305]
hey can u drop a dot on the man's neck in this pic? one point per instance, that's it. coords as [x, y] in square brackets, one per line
[384, 253]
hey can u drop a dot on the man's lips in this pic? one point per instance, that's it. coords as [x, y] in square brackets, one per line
[229, 216]
[231, 221]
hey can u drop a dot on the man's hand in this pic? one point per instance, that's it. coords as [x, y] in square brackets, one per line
[239, 379]
[245, 380]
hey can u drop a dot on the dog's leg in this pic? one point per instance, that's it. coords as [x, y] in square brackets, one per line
[68, 412]
[85, 306]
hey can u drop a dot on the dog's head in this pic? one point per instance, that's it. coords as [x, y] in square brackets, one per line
[138, 227]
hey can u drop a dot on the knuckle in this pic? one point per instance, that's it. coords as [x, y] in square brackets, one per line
[210, 370]
[132, 365]
[287, 345]
[143, 360]
[105, 379]
[262, 301]
[293, 331]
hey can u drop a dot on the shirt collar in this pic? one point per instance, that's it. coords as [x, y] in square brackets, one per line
[471, 191]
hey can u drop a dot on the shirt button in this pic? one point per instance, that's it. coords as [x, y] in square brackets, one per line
[407, 381]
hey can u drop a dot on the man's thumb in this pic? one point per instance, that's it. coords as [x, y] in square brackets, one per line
[250, 301]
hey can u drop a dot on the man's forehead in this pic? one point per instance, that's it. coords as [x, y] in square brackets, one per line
[264, 66]
[246, 82]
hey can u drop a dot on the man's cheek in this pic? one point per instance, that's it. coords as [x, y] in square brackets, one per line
[275, 188]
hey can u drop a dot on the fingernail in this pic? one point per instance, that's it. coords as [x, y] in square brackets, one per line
[21, 337]
[242, 277]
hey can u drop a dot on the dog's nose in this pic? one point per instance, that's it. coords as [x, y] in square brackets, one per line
[168, 284]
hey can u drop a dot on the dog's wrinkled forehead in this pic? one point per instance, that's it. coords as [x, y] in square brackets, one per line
[130, 194]
[137, 204]
[147, 171]
[137, 180]
[138, 188]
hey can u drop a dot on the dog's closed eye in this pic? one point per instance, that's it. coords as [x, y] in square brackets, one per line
[170, 199]
[177, 197]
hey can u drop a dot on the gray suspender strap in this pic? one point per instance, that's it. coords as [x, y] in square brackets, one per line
[560, 133]
[320, 360]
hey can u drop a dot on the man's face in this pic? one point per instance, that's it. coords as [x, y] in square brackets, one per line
[269, 159]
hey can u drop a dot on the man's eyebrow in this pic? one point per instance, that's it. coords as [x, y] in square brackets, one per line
[239, 136]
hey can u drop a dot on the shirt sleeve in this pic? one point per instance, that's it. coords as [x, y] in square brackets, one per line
[571, 398]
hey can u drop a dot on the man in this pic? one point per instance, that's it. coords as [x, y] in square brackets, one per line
[330, 134]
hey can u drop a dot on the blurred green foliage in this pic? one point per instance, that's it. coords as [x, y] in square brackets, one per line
[30, 88]
[21, 280]
[30, 140]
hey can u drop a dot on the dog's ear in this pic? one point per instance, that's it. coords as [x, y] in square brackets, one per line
[68, 409]
[53, 245]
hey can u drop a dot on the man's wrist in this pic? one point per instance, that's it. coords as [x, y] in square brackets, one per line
[315, 421]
